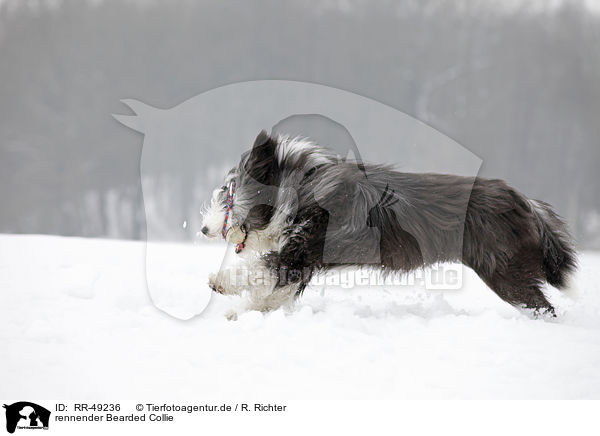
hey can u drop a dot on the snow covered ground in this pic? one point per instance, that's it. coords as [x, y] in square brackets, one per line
[78, 323]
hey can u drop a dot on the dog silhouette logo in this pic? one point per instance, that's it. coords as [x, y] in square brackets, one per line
[188, 147]
[26, 415]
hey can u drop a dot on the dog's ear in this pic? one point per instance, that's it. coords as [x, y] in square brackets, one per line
[262, 163]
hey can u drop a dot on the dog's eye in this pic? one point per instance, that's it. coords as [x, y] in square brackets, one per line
[223, 188]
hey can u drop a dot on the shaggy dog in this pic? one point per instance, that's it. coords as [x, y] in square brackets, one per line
[293, 208]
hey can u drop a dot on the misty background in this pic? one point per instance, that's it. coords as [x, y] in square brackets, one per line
[517, 83]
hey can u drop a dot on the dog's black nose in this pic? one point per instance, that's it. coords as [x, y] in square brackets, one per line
[204, 230]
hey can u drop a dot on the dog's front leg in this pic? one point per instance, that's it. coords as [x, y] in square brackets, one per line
[275, 298]
[232, 279]
[288, 274]
[278, 277]
[253, 279]
[264, 290]
[268, 287]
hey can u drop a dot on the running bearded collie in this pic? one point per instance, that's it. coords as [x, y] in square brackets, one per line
[292, 208]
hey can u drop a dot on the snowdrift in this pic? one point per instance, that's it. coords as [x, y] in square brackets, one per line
[76, 314]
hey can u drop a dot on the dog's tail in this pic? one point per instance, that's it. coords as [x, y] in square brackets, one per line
[560, 259]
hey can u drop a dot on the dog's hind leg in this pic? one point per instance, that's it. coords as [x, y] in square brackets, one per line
[261, 291]
[519, 281]
[527, 297]
[279, 296]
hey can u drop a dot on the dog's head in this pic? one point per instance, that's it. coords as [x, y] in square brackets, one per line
[247, 196]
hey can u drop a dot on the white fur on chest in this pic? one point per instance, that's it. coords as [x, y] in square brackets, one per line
[263, 241]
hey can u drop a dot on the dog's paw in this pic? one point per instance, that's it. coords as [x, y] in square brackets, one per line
[215, 284]
[231, 315]
[212, 281]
